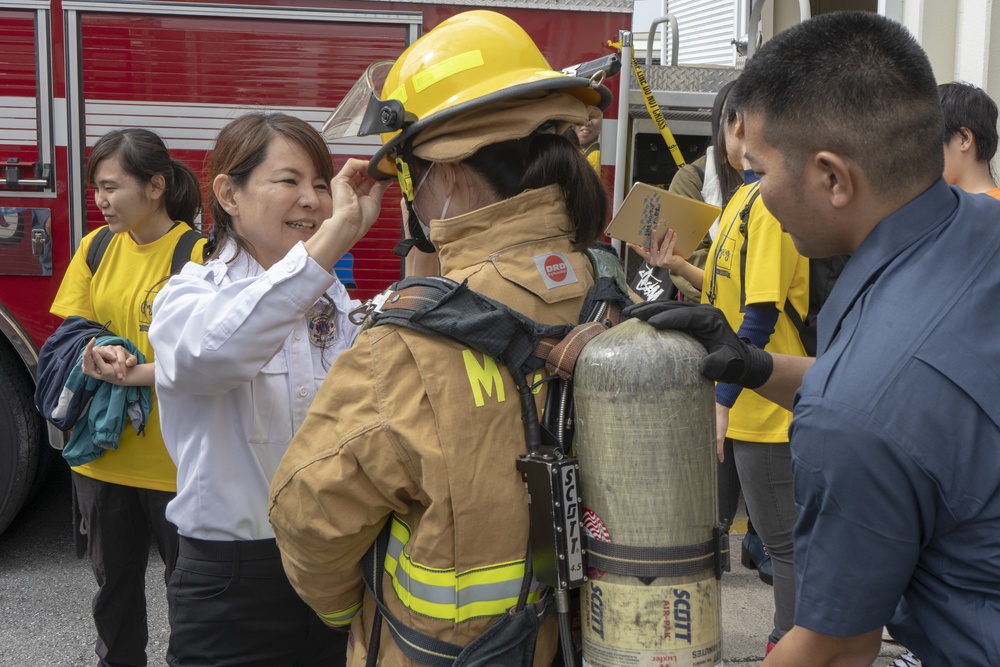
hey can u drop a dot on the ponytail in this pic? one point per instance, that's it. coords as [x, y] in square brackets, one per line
[544, 159]
[183, 195]
[552, 159]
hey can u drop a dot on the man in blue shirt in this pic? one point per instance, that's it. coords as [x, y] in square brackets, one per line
[896, 431]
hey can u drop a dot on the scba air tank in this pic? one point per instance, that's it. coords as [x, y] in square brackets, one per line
[645, 438]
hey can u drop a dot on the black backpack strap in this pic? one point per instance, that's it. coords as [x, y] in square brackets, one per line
[98, 247]
[182, 251]
[744, 224]
[806, 334]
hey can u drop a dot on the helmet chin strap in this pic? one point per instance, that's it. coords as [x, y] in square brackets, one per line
[417, 238]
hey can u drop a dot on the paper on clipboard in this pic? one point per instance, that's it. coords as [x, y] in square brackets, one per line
[649, 211]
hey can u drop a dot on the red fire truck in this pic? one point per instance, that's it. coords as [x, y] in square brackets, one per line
[70, 70]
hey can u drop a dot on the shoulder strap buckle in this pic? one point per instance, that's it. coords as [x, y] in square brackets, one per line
[363, 314]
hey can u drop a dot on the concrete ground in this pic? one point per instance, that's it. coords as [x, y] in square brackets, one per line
[45, 595]
[748, 608]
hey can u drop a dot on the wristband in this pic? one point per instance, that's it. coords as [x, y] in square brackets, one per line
[759, 366]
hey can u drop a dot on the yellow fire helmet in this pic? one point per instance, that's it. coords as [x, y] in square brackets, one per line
[468, 61]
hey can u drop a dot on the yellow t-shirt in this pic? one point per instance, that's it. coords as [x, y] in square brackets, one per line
[774, 271]
[592, 152]
[121, 293]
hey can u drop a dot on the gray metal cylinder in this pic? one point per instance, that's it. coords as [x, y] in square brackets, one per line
[645, 439]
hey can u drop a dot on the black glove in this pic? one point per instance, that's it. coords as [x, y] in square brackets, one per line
[730, 359]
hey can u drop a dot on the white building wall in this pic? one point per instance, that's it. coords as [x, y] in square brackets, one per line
[962, 40]
[973, 40]
[961, 37]
[705, 31]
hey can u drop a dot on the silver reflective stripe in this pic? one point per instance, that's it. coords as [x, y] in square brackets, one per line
[448, 595]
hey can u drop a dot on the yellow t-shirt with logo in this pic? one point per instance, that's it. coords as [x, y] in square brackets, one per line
[121, 293]
[771, 272]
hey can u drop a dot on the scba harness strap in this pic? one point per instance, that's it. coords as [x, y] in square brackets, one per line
[510, 640]
[436, 306]
[441, 307]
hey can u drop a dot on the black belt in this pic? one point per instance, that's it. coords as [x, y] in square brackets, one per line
[229, 550]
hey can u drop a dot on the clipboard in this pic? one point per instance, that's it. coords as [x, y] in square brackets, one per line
[649, 211]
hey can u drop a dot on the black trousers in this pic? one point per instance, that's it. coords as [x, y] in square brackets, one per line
[120, 521]
[231, 605]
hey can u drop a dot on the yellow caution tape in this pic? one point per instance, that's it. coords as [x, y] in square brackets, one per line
[654, 112]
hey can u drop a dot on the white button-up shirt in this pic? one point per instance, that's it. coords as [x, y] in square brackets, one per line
[236, 372]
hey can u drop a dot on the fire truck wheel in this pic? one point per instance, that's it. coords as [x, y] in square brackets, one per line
[21, 437]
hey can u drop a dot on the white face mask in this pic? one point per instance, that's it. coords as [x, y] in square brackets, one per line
[423, 180]
[425, 228]
[444, 209]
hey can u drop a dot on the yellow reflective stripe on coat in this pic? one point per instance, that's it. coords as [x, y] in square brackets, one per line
[446, 595]
[342, 618]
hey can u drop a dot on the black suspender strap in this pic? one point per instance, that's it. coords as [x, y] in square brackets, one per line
[414, 645]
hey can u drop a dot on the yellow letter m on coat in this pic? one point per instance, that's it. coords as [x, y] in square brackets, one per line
[486, 376]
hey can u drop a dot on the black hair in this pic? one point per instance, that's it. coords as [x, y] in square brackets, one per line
[965, 105]
[143, 155]
[856, 84]
[729, 178]
[539, 160]
[544, 159]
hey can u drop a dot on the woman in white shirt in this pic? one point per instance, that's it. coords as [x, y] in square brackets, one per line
[242, 344]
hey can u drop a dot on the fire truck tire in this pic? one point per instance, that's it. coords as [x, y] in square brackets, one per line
[21, 438]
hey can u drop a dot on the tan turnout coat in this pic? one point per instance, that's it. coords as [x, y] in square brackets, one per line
[425, 428]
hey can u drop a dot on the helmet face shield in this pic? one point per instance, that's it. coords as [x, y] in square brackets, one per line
[361, 112]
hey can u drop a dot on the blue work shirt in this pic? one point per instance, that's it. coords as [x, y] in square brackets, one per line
[896, 438]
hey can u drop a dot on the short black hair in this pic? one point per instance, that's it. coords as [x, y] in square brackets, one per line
[965, 105]
[854, 83]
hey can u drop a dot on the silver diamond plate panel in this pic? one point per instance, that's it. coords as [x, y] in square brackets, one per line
[639, 111]
[680, 90]
[686, 78]
[623, 6]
